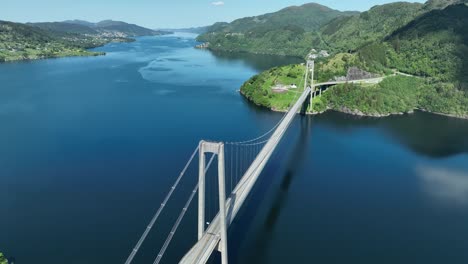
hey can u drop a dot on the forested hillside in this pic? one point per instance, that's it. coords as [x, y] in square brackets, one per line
[433, 45]
[65, 27]
[20, 42]
[291, 31]
[128, 30]
[428, 41]
[350, 33]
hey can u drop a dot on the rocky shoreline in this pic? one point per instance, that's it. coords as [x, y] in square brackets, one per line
[358, 113]
[20, 59]
[205, 45]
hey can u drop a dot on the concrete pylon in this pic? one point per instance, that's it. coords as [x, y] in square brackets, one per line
[201, 190]
[312, 71]
[216, 149]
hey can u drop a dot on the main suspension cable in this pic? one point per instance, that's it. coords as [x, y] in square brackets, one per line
[162, 206]
[179, 219]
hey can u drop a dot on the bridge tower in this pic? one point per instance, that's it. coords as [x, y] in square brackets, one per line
[216, 149]
[311, 66]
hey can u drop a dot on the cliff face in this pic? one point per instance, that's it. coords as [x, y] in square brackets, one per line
[354, 73]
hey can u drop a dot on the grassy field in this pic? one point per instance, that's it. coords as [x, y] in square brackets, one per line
[259, 88]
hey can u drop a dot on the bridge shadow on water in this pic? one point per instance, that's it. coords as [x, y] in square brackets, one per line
[258, 62]
[274, 187]
[294, 164]
[305, 105]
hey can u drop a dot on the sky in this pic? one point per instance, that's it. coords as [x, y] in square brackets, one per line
[160, 13]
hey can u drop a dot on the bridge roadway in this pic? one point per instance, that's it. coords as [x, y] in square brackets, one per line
[209, 242]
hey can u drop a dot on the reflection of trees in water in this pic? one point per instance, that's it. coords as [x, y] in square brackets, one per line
[427, 134]
[258, 62]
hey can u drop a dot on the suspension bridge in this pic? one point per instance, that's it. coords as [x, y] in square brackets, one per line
[239, 166]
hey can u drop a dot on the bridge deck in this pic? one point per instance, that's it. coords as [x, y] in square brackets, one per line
[203, 249]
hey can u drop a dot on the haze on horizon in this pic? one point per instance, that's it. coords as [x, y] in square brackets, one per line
[160, 14]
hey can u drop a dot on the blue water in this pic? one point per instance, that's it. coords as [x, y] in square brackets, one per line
[90, 146]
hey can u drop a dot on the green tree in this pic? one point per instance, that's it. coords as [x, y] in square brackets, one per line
[3, 260]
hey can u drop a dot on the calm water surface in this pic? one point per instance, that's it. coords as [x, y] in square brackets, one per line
[90, 146]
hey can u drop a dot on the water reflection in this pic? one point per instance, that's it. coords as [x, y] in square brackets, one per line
[445, 185]
[258, 62]
[427, 134]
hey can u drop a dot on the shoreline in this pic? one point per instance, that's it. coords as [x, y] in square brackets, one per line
[94, 54]
[358, 113]
[351, 113]
[86, 52]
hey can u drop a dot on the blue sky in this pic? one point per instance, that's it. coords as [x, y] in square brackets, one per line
[158, 13]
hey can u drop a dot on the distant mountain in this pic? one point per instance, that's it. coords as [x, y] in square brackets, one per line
[290, 31]
[110, 23]
[21, 42]
[80, 22]
[107, 28]
[308, 17]
[131, 30]
[65, 27]
[196, 30]
[297, 29]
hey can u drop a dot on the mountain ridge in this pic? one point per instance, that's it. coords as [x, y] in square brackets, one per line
[108, 28]
[289, 31]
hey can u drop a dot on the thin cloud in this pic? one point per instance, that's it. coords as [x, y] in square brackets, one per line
[217, 3]
[445, 184]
